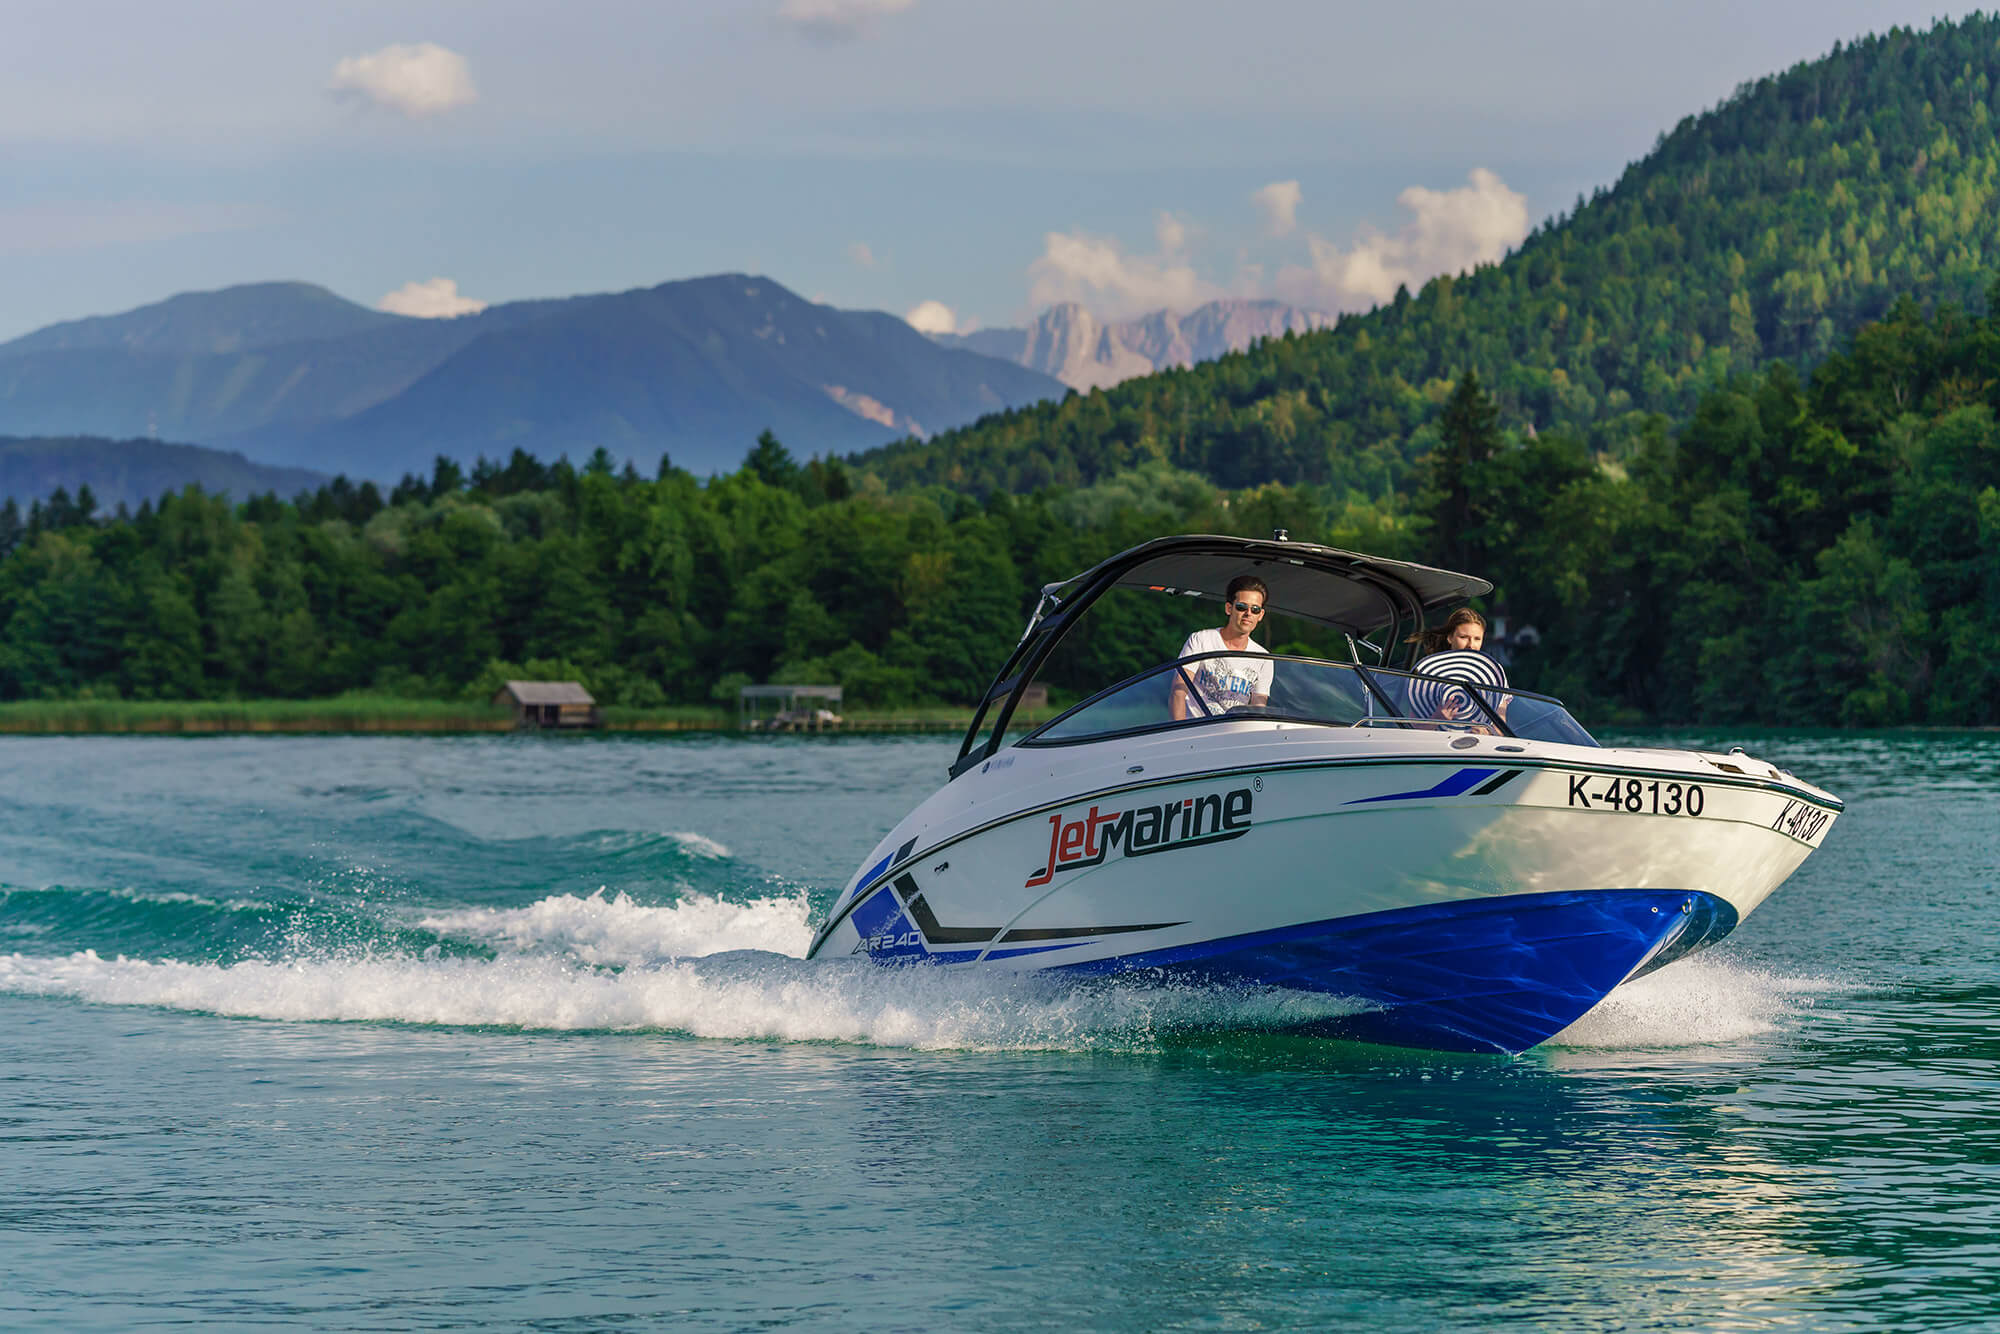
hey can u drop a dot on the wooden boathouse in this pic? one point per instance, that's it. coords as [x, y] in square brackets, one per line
[550, 704]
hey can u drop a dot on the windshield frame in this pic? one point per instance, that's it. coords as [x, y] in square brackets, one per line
[1493, 720]
[1406, 592]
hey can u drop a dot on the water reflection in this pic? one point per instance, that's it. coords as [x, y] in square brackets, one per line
[1274, 1177]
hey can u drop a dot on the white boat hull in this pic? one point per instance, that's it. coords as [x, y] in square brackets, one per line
[1476, 892]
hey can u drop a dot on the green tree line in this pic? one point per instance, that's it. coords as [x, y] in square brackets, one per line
[1799, 550]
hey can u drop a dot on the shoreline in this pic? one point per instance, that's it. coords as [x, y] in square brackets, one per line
[363, 717]
[374, 716]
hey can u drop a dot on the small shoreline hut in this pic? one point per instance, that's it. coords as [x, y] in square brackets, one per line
[550, 704]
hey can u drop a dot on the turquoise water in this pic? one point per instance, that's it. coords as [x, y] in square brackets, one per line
[433, 1033]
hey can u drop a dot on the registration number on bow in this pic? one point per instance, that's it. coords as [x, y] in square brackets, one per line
[1636, 796]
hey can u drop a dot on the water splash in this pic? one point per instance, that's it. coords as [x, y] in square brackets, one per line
[621, 842]
[1694, 1002]
[699, 845]
[740, 995]
[620, 930]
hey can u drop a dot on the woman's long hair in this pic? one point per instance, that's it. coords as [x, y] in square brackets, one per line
[1434, 641]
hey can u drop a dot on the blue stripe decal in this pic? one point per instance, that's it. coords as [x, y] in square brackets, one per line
[888, 936]
[868, 876]
[1035, 949]
[1457, 785]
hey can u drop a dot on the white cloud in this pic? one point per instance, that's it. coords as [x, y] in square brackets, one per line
[434, 299]
[418, 80]
[836, 20]
[1449, 231]
[932, 317]
[1279, 203]
[862, 255]
[1097, 272]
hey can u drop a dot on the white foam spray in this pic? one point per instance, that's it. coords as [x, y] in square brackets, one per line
[699, 845]
[754, 996]
[617, 841]
[619, 930]
[1694, 1002]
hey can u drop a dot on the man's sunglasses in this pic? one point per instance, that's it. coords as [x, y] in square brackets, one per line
[1248, 608]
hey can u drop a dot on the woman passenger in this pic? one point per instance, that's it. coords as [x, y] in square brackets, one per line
[1463, 633]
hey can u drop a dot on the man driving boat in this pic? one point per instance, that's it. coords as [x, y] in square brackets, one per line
[1228, 683]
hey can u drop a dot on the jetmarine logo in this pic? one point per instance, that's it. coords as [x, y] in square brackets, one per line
[1214, 817]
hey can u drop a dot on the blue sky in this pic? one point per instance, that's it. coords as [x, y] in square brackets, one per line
[989, 157]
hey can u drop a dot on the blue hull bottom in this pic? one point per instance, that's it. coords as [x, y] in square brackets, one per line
[1494, 974]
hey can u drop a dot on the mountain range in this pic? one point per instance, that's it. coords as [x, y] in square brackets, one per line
[1768, 228]
[293, 375]
[128, 472]
[1069, 343]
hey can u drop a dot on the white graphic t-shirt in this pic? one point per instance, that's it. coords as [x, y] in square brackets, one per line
[1226, 683]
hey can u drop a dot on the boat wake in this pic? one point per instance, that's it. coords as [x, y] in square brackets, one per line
[739, 996]
[711, 966]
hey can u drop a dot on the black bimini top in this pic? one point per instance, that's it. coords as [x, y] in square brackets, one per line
[1343, 589]
[1346, 590]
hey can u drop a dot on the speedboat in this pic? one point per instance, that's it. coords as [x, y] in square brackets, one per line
[1462, 861]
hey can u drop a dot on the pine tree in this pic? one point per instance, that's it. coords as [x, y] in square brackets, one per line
[1468, 439]
[771, 461]
[447, 478]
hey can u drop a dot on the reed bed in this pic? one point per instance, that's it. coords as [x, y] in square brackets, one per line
[346, 713]
[388, 713]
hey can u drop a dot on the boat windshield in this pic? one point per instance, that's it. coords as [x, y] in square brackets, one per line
[1311, 690]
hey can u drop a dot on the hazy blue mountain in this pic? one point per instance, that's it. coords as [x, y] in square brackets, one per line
[694, 368]
[155, 388]
[234, 319]
[130, 471]
[111, 391]
[1006, 344]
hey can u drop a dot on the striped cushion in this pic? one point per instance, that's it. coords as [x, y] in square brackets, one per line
[1435, 699]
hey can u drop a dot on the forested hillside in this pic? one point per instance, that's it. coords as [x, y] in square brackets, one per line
[1766, 228]
[1822, 552]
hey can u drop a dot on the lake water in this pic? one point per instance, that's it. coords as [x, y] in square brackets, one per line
[384, 1033]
